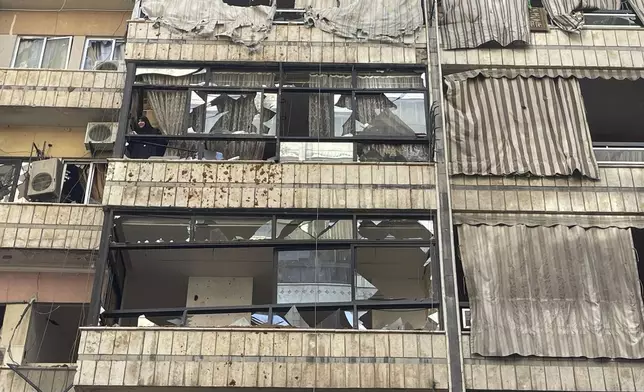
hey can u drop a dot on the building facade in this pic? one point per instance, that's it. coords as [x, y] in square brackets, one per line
[304, 194]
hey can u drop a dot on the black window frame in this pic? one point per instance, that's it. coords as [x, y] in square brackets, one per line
[17, 167]
[279, 69]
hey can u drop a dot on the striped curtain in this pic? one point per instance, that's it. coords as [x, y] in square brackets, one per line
[567, 15]
[553, 291]
[638, 7]
[471, 23]
[503, 126]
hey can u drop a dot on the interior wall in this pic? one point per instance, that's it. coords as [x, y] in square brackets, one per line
[85, 23]
[53, 333]
[45, 287]
[16, 141]
[7, 45]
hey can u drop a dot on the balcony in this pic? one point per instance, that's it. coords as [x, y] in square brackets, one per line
[50, 226]
[292, 43]
[217, 184]
[46, 379]
[602, 48]
[59, 97]
[110, 358]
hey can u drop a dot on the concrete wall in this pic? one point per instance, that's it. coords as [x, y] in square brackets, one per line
[79, 23]
[45, 287]
[603, 48]
[17, 141]
[550, 374]
[619, 190]
[295, 43]
[219, 184]
[47, 379]
[65, 89]
[51, 226]
[13, 335]
[289, 358]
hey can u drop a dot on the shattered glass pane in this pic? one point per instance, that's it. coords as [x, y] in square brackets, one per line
[378, 152]
[313, 151]
[400, 319]
[313, 114]
[243, 79]
[400, 115]
[395, 229]
[316, 79]
[150, 230]
[245, 113]
[298, 317]
[310, 276]
[7, 176]
[400, 273]
[232, 229]
[311, 229]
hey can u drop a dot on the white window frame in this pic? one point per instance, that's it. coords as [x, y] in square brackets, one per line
[42, 51]
[90, 178]
[88, 40]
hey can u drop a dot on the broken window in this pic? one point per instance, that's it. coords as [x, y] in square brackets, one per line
[83, 182]
[99, 51]
[42, 52]
[310, 114]
[613, 109]
[395, 229]
[282, 270]
[53, 333]
[623, 16]
[9, 176]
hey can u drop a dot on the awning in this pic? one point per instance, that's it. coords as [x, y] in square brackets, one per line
[553, 291]
[577, 73]
[549, 220]
[507, 126]
[567, 15]
[471, 23]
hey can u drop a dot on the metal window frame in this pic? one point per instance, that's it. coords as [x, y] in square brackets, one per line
[86, 48]
[17, 167]
[45, 39]
[90, 177]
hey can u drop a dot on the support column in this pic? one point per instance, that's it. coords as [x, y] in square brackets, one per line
[451, 311]
[124, 113]
[13, 335]
[100, 269]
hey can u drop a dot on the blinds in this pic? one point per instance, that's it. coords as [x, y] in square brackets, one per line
[502, 126]
[470, 23]
[553, 291]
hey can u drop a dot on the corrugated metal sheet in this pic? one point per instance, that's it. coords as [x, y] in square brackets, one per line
[578, 73]
[567, 15]
[501, 126]
[369, 19]
[471, 23]
[549, 220]
[553, 291]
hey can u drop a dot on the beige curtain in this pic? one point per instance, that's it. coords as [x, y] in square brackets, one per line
[567, 15]
[471, 23]
[97, 51]
[553, 291]
[520, 125]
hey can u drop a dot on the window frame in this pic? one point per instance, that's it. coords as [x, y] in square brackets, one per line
[86, 48]
[90, 178]
[42, 51]
[279, 88]
[17, 165]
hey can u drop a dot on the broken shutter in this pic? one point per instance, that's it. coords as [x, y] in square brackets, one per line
[369, 19]
[504, 126]
[553, 291]
[470, 23]
[567, 15]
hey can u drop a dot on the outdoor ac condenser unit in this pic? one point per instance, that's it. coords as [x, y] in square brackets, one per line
[101, 136]
[45, 179]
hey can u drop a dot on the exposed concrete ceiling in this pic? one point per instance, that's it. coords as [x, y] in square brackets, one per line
[45, 260]
[67, 5]
[54, 117]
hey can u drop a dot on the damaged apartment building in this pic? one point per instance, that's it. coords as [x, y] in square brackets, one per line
[440, 195]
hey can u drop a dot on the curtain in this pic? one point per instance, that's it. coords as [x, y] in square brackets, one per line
[567, 15]
[96, 193]
[638, 7]
[553, 291]
[29, 51]
[471, 23]
[56, 53]
[321, 106]
[502, 126]
[97, 51]
[369, 19]
[240, 114]
[170, 111]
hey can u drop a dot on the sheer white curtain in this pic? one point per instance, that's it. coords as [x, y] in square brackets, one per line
[98, 51]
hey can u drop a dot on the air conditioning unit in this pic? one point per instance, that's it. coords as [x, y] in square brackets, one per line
[101, 136]
[45, 180]
[111, 65]
[466, 318]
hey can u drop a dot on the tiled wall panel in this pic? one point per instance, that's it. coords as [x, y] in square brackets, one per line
[46, 379]
[292, 43]
[61, 88]
[50, 226]
[261, 358]
[270, 185]
[620, 190]
[603, 48]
